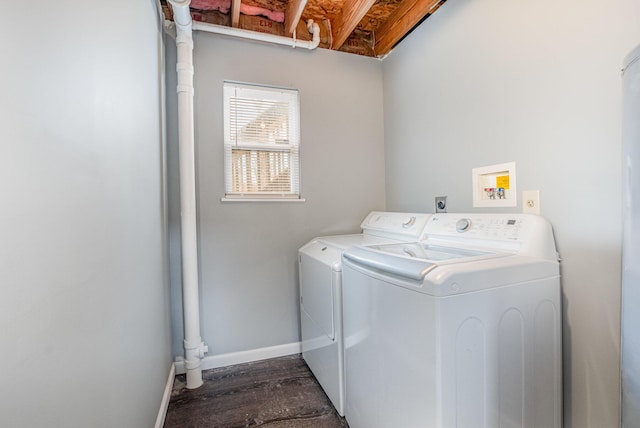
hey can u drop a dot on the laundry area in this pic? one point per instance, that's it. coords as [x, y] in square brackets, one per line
[426, 227]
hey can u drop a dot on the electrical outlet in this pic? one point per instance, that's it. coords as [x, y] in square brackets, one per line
[531, 202]
[441, 204]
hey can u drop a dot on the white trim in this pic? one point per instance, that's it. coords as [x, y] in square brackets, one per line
[166, 397]
[232, 358]
[262, 200]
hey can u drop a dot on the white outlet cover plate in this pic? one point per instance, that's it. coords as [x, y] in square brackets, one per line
[531, 202]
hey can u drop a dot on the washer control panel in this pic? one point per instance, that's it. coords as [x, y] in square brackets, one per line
[463, 225]
[479, 226]
[523, 234]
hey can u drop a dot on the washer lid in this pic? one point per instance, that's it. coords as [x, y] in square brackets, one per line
[425, 251]
[413, 260]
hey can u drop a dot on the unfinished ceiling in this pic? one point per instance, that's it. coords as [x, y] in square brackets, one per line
[363, 27]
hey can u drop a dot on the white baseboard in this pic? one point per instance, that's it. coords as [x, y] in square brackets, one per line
[232, 358]
[164, 405]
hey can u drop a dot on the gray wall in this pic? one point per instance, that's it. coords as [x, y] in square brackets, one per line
[248, 250]
[492, 81]
[84, 319]
[631, 243]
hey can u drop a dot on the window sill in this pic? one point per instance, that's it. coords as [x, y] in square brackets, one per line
[262, 200]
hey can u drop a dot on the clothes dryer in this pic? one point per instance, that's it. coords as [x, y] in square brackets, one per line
[320, 270]
[460, 329]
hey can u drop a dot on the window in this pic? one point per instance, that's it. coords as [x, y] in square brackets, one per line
[261, 142]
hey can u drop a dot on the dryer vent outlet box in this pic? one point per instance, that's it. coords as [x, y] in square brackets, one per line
[495, 185]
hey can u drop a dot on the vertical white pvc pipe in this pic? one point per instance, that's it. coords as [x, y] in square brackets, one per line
[194, 348]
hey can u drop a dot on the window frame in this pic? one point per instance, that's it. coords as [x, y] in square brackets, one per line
[266, 94]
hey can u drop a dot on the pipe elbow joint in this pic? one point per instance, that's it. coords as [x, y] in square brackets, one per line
[203, 350]
[314, 29]
[182, 14]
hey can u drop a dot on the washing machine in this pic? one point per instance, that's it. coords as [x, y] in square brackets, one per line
[460, 329]
[320, 270]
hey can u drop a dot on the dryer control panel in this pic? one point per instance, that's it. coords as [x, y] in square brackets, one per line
[405, 226]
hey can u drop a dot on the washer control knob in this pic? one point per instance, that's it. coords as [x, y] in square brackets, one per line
[463, 225]
[409, 221]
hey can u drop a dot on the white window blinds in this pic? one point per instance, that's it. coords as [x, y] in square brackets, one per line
[261, 141]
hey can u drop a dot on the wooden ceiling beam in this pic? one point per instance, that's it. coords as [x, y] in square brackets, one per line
[401, 21]
[292, 15]
[352, 13]
[235, 13]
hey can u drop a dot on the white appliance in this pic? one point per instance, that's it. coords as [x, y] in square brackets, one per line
[320, 271]
[631, 241]
[461, 329]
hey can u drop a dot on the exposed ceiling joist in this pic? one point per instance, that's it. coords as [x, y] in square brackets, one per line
[364, 27]
[235, 13]
[292, 15]
[401, 21]
[352, 13]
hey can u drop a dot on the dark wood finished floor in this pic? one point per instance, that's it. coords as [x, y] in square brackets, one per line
[280, 392]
